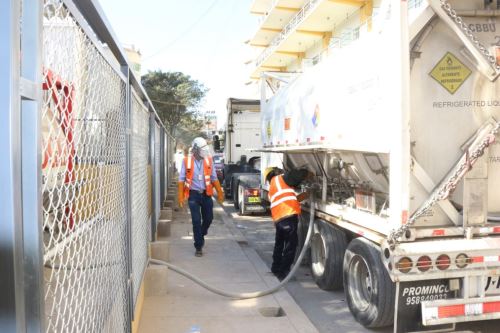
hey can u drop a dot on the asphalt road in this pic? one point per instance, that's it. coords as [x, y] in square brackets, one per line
[327, 310]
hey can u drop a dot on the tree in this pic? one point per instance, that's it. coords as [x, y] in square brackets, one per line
[189, 129]
[176, 96]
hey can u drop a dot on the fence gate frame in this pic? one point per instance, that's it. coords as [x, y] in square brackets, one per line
[21, 303]
[21, 209]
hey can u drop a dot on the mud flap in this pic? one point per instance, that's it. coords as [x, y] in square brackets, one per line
[408, 310]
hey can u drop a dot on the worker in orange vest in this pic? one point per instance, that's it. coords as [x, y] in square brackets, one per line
[285, 211]
[197, 179]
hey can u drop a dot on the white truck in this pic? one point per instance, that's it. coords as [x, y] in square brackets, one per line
[242, 164]
[401, 129]
[242, 129]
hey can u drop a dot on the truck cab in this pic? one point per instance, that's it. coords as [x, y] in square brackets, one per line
[241, 175]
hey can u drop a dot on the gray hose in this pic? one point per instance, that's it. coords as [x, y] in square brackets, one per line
[254, 294]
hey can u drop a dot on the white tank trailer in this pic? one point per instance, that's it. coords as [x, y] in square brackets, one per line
[401, 129]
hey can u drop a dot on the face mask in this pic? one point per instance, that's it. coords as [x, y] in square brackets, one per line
[203, 152]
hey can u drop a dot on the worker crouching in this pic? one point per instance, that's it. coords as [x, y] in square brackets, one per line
[285, 211]
[197, 179]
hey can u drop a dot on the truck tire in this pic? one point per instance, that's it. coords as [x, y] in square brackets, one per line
[236, 201]
[229, 169]
[369, 291]
[328, 245]
[241, 200]
[301, 234]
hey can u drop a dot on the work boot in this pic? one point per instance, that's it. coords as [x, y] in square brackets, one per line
[198, 253]
[281, 276]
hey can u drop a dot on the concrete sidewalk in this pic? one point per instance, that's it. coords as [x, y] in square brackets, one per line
[227, 263]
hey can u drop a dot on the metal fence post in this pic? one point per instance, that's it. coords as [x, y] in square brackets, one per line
[153, 172]
[167, 162]
[31, 72]
[128, 194]
[11, 254]
[162, 165]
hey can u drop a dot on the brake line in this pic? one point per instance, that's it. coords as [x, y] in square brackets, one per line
[253, 294]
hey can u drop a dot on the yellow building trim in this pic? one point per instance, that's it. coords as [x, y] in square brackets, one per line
[291, 53]
[271, 29]
[311, 32]
[278, 68]
[326, 40]
[357, 3]
[258, 45]
[366, 14]
[290, 9]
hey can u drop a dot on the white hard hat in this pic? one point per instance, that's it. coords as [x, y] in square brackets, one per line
[200, 147]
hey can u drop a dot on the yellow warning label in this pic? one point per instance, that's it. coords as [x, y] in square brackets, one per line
[450, 72]
[268, 129]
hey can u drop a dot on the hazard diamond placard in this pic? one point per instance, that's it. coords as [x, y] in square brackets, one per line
[450, 72]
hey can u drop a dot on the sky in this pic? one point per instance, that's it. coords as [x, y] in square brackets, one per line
[204, 39]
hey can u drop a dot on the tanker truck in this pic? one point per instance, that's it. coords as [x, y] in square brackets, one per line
[400, 128]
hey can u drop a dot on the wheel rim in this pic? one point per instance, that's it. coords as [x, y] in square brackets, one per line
[360, 283]
[318, 255]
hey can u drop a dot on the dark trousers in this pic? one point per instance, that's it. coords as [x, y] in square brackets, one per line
[201, 207]
[285, 245]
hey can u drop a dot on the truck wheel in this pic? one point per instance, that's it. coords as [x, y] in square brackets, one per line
[241, 200]
[328, 245]
[236, 201]
[301, 234]
[369, 290]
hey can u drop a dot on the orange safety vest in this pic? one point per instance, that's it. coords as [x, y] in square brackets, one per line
[207, 172]
[283, 199]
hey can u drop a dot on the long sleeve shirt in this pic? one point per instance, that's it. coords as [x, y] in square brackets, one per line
[198, 183]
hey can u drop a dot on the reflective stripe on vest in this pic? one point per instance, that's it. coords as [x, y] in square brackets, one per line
[283, 199]
[207, 172]
[188, 163]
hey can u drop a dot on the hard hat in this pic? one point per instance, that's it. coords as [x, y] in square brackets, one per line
[200, 147]
[271, 172]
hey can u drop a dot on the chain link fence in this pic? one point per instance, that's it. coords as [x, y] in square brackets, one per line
[91, 246]
[141, 215]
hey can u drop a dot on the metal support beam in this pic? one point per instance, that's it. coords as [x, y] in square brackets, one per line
[31, 134]
[482, 63]
[162, 166]
[152, 157]
[398, 48]
[12, 311]
[128, 195]
[94, 15]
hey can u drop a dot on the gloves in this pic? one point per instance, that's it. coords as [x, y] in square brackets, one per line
[220, 192]
[180, 194]
[302, 196]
